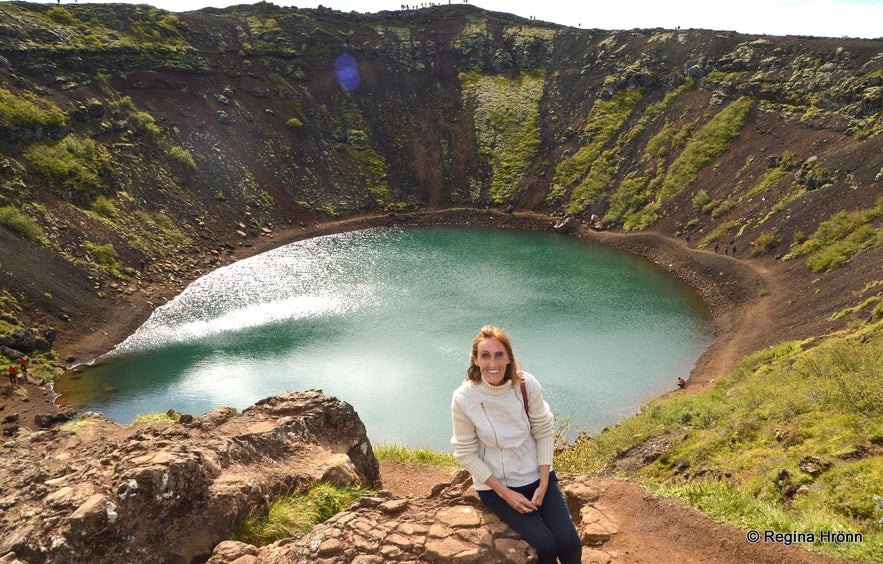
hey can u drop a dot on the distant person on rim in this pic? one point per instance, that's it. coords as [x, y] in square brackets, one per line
[504, 435]
[23, 363]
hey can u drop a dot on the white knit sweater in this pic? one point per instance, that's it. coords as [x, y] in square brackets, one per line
[493, 435]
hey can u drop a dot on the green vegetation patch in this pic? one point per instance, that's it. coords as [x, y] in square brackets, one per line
[182, 156]
[292, 515]
[589, 171]
[870, 307]
[769, 180]
[506, 114]
[839, 238]
[409, 455]
[709, 142]
[633, 204]
[105, 207]
[142, 28]
[14, 220]
[72, 165]
[105, 256]
[790, 440]
[26, 111]
[149, 418]
[638, 207]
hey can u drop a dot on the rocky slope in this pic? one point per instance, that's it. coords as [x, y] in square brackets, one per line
[176, 491]
[173, 490]
[131, 134]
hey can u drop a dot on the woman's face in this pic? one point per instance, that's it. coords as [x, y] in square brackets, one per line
[492, 359]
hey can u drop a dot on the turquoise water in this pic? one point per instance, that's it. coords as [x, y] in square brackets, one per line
[384, 319]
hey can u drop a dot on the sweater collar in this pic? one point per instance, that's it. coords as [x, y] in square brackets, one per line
[495, 390]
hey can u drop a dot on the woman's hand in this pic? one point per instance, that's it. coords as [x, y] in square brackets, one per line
[539, 494]
[518, 502]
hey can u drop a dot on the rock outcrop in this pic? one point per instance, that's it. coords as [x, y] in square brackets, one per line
[449, 525]
[96, 491]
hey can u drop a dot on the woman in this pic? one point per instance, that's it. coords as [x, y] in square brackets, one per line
[504, 436]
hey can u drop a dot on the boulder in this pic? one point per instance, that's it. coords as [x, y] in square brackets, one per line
[102, 492]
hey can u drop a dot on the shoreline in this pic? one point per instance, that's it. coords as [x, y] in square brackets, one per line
[733, 290]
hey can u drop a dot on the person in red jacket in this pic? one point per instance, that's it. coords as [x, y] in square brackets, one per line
[23, 364]
[13, 375]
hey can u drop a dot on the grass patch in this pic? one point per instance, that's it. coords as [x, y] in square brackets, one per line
[182, 156]
[26, 111]
[764, 243]
[408, 455]
[14, 220]
[76, 427]
[72, 165]
[786, 442]
[580, 178]
[295, 514]
[769, 180]
[105, 256]
[709, 142]
[149, 418]
[722, 501]
[839, 238]
[105, 207]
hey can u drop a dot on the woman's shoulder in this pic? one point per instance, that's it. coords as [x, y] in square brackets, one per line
[464, 388]
[531, 382]
[529, 378]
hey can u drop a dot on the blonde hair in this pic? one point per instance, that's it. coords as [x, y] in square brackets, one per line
[473, 372]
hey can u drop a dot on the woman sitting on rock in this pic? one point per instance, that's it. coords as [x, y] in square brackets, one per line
[504, 436]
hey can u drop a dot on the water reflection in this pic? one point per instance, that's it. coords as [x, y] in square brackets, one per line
[384, 319]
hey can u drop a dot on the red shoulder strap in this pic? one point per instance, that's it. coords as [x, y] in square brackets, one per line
[524, 397]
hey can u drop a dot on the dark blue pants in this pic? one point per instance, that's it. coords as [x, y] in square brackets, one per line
[550, 529]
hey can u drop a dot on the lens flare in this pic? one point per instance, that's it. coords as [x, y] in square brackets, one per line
[347, 70]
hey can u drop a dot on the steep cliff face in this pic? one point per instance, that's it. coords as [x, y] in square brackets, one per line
[129, 132]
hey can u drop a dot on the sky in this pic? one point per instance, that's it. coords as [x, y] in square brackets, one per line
[822, 18]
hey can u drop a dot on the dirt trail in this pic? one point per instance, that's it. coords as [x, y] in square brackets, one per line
[651, 529]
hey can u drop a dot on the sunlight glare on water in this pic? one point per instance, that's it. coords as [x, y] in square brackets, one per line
[384, 319]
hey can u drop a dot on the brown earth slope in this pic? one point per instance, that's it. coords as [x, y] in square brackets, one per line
[225, 86]
[741, 294]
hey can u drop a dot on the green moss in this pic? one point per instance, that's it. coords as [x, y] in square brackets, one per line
[839, 238]
[582, 177]
[182, 156]
[103, 255]
[14, 220]
[709, 142]
[506, 113]
[105, 207]
[61, 16]
[764, 243]
[148, 418]
[72, 165]
[25, 111]
[769, 180]
[633, 193]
